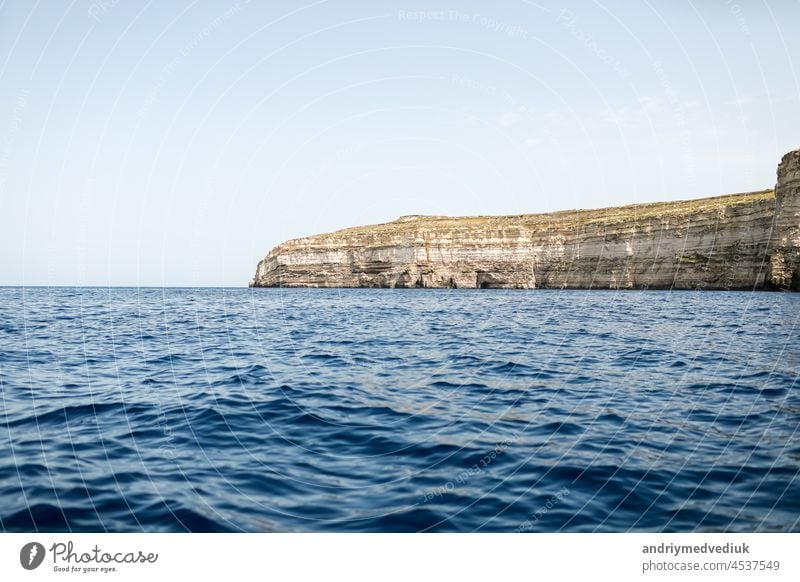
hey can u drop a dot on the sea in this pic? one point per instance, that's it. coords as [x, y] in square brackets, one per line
[408, 410]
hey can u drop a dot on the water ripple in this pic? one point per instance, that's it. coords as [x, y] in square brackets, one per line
[414, 410]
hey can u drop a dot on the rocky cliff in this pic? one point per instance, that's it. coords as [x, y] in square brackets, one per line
[784, 253]
[740, 241]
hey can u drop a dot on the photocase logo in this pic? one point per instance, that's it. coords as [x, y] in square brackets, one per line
[31, 555]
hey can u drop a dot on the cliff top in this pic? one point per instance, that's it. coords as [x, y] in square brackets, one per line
[563, 218]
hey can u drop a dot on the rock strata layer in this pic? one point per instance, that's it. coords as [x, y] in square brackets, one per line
[740, 241]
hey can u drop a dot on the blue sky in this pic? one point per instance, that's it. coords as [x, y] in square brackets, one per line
[175, 143]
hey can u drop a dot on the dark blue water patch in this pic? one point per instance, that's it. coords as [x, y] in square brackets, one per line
[611, 417]
[404, 520]
[42, 517]
[453, 386]
[369, 410]
[168, 515]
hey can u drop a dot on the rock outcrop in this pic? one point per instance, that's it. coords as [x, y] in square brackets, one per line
[784, 271]
[740, 241]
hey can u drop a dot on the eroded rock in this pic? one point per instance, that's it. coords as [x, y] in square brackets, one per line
[741, 241]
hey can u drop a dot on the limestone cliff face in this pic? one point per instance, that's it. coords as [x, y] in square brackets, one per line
[742, 241]
[784, 271]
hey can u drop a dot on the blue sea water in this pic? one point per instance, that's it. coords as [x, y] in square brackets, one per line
[398, 410]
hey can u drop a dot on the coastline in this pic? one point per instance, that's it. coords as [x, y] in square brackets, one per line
[747, 241]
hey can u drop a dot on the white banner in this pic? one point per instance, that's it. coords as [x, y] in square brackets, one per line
[371, 557]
